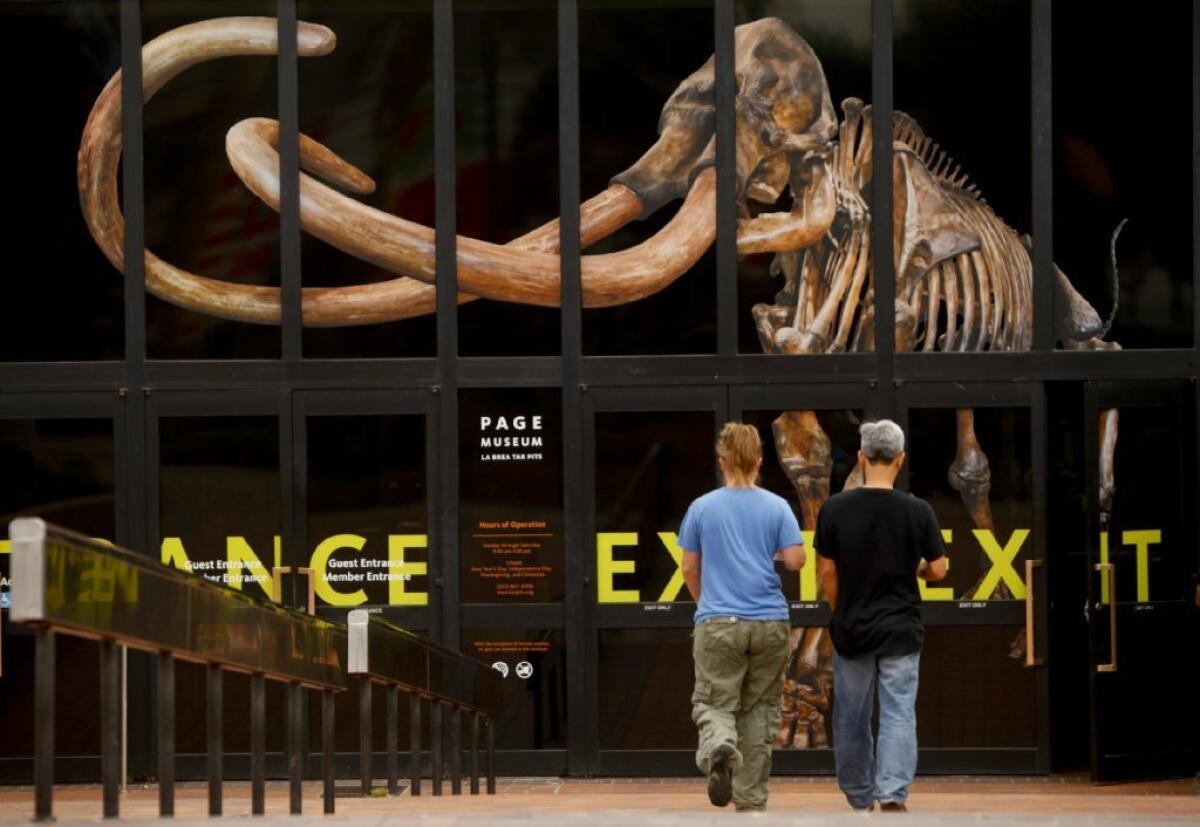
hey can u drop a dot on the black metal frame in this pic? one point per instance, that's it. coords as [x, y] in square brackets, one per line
[136, 391]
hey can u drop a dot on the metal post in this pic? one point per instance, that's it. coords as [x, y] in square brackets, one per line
[474, 753]
[491, 756]
[296, 750]
[327, 731]
[43, 724]
[414, 743]
[455, 751]
[393, 738]
[110, 727]
[166, 734]
[364, 733]
[258, 744]
[435, 745]
[215, 721]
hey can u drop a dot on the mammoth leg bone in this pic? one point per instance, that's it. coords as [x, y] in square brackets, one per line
[805, 453]
[971, 477]
[969, 474]
[1108, 448]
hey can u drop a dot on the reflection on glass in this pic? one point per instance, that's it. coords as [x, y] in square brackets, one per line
[1105, 174]
[511, 502]
[61, 471]
[645, 689]
[649, 468]
[371, 102]
[199, 215]
[219, 498]
[65, 296]
[533, 691]
[367, 523]
[632, 58]
[973, 694]
[506, 73]
[975, 468]
[827, 61]
[219, 518]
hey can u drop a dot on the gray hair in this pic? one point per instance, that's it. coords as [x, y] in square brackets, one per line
[881, 440]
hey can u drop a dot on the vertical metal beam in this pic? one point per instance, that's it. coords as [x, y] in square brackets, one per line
[446, 251]
[455, 751]
[291, 500]
[289, 180]
[295, 747]
[881, 205]
[258, 744]
[133, 202]
[1196, 185]
[1091, 499]
[43, 724]
[110, 727]
[132, 497]
[414, 743]
[474, 753]
[327, 756]
[491, 756]
[435, 746]
[364, 734]
[1041, 528]
[572, 357]
[216, 721]
[166, 734]
[1042, 183]
[727, 262]
[393, 740]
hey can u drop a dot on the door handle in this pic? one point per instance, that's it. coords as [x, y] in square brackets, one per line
[1030, 637]
[1111, 570]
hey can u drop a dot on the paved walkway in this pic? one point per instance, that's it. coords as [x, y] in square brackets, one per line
[653, 802]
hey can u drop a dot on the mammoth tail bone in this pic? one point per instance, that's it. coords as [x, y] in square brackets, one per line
[1116, 279]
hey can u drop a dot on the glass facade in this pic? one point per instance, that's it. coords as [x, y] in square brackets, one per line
[507, 476]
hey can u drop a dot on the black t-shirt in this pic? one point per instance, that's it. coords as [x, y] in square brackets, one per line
[877, 537]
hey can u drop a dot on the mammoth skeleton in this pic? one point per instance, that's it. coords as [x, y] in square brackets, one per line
[963, 278]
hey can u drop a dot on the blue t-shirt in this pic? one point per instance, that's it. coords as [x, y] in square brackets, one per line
[737, 531]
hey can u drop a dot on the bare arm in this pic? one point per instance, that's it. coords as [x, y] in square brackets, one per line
[691, 573]
[827, 572]
[793, 557]
[933, 572]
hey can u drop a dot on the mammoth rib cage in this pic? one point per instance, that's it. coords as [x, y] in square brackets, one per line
[976, 301]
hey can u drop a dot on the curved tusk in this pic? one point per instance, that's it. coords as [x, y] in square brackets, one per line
[501, 272]
[177, 50]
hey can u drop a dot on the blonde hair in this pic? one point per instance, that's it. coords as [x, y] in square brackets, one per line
[740, 449]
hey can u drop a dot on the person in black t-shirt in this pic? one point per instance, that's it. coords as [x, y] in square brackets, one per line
[873, 542]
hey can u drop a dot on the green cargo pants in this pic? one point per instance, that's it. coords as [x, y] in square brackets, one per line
[739, 677]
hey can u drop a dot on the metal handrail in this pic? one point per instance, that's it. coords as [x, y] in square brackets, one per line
[75, 585]
[380, 652]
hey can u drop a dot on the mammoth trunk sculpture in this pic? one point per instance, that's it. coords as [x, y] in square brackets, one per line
[963, 278]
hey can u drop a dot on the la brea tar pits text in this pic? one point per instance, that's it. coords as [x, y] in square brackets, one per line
[510, 438]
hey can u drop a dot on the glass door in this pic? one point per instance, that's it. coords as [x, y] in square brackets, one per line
[1143, 617]
[976, 453]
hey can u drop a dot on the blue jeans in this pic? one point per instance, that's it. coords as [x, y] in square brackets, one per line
[866, 773]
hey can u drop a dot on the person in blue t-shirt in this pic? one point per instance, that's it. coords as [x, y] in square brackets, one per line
[731, 538]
